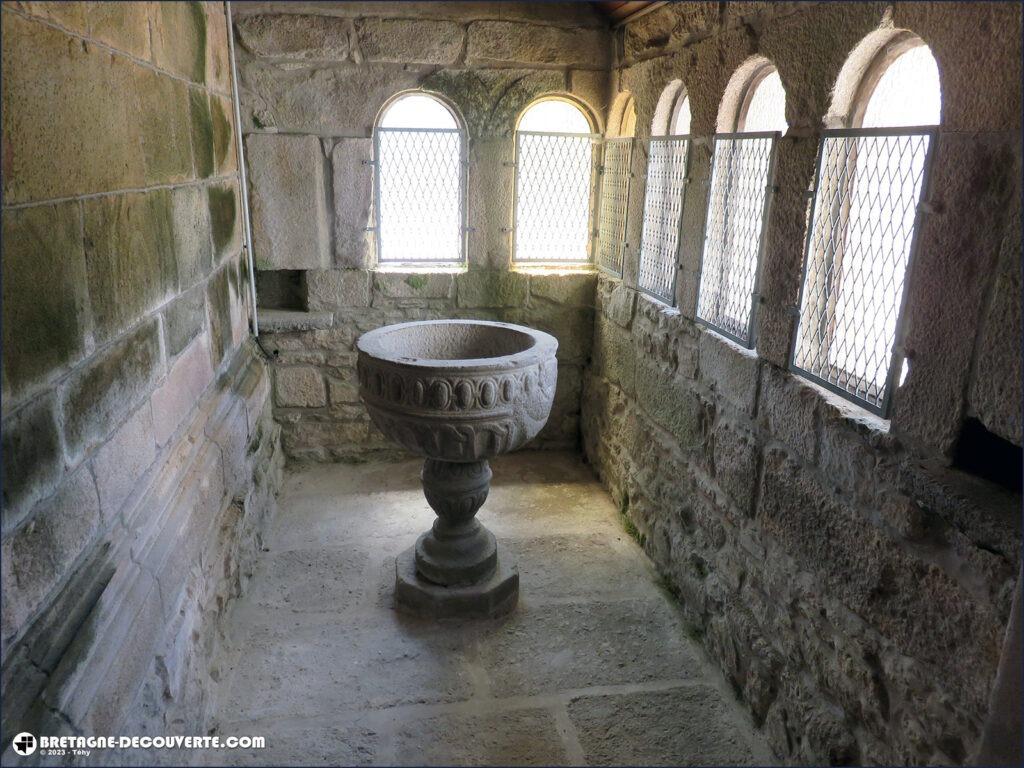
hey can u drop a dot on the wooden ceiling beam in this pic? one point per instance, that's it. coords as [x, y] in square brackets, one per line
[621, 12]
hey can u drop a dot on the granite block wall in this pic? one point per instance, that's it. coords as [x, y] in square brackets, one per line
[852, 581]
[139, 453]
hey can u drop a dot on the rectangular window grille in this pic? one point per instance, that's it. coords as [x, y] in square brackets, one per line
[667, 170]
[741, 175]
[420, 195]
[553, 197]
[861, 238]
[616, 172]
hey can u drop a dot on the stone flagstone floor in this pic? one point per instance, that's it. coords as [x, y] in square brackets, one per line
[594, 667]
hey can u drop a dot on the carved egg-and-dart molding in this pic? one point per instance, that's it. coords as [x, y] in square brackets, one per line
[423, 392]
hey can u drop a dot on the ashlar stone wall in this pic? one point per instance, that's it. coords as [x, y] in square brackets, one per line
[853, 586]
[139, 451]
[313, 78]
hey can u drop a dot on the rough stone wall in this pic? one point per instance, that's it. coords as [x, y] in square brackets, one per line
[854, 588]
[313, 79]
[139, 453]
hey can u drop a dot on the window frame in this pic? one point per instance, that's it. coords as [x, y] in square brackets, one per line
[463, 164]
[668, 300]
[901, 43]
[733, 113]
[596, 139]
[621, 245]
[896, 354]
[769, 197]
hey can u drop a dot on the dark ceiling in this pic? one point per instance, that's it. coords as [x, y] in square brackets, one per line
[619, 11]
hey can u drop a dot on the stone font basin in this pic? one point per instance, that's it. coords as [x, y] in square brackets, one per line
[457, 392]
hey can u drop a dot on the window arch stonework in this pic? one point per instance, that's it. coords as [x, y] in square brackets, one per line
[672, 115]
[741, 90]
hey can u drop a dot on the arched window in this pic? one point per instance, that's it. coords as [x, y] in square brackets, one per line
[622, 120]
[751, 117]
[554, 115]
[754, 100]
[616, 170]
[901, 88]
[869, 184]
[667, 157]
[672, 113]
[555, 163]
[764, 103]
[679, 125]
[420, 182]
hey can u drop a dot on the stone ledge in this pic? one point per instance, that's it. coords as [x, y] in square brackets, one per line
[422, 269]
[284, 320]
[568, 269]
[654, 304]
[847, 411]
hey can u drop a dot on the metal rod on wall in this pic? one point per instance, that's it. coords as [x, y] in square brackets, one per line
[243, 178]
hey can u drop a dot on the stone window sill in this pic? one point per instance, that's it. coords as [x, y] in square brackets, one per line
[659, 306]
[573, 269]
[284, 320]
[421, 269]
[846, 411]
[732, 346]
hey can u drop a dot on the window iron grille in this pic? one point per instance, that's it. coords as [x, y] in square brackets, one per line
[863, 231]
[667, 177]
[554, 197]
[616, 173]
[420, 199]
[742, 174]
